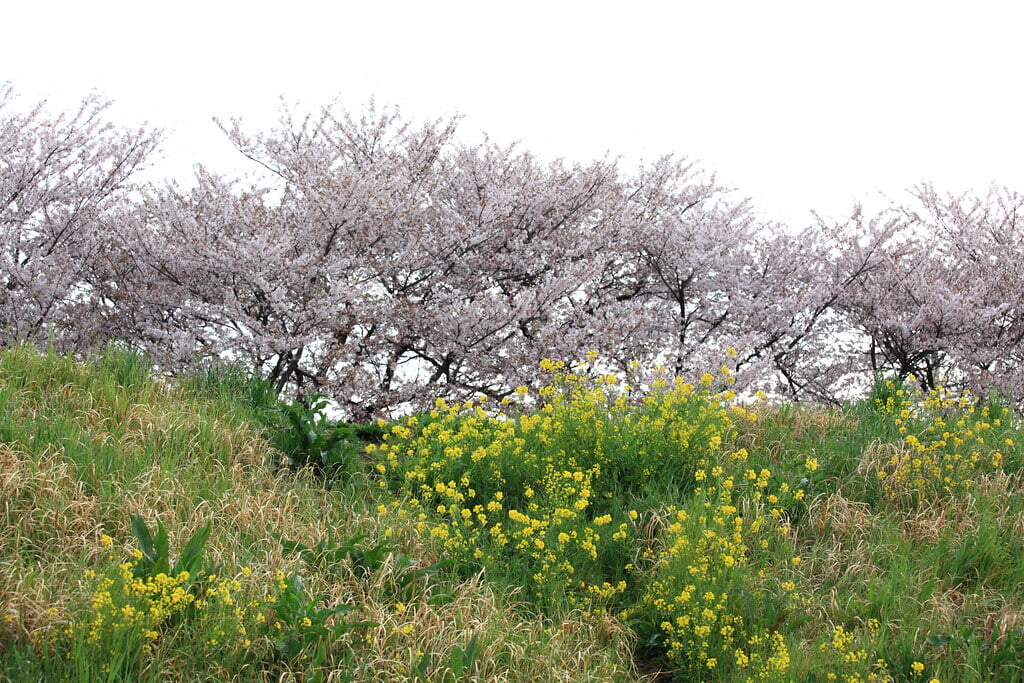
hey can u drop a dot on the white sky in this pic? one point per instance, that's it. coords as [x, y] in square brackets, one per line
[799, 105]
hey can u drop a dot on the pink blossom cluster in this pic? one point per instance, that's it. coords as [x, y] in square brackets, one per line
[384, 262]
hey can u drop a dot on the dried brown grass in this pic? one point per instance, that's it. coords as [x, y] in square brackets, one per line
[205, 466]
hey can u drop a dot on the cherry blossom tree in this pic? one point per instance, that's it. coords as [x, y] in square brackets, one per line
[383, 262]
[929, 288]
[685, 254]
[289, 278]
[807, 337]
[60, 175]
[955, 312]
[983, 238]
[514, 242]
[369, 267]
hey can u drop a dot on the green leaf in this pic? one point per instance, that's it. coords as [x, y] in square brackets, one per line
[143, 536]
[319, 657]
[161, 565]
[472, 650]
[456, 661]
[191, 555]
[422, 666]
[927, 590]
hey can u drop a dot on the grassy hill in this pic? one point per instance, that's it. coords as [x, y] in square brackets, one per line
[197, 529]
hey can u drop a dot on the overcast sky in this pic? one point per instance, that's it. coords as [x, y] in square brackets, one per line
[799, 105]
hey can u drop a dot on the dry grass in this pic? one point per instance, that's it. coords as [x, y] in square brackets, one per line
[933, 520]
[171, 455]
[877, 456]
[186, 463]
[50, 525]
[776, 426]
[514, 645]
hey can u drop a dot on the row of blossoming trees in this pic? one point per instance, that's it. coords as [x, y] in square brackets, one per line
[384, 262]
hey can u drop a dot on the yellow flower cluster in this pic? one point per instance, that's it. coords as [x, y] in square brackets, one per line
[128, 612]
[948, 441]
[128, 608]
[849, 652]
[708, 560]
[542, 490]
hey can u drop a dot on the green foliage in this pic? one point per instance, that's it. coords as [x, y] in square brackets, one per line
[457, 666]
[300, 429]
[156, 552]
[128, 367]
[406, 580]
[669, 519]
[462, 659]
[305, 626]
[312, 440]
[232, 384]
[326, 554]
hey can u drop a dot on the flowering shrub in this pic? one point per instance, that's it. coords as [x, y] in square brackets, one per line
[712, 592]
[132, 609]
[949, 440]
[561, 500]
[848, 652]
[126, 612]
[546, 494]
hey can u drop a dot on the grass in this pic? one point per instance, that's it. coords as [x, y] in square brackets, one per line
[586, 530]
